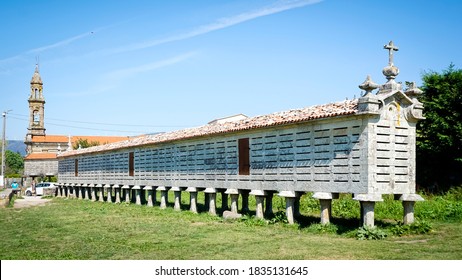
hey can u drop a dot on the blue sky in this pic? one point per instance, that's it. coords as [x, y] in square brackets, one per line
[133, 67]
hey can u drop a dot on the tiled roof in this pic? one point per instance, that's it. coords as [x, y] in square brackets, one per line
[65, 139]
[348, 107]
[41, 156]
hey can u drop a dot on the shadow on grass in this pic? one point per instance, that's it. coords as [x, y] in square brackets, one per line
[342, 225]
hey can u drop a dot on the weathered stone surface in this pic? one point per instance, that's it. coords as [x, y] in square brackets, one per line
[229, 215]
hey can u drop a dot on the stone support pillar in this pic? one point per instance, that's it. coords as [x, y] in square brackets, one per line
[116, 193]
[109, 194]
[68, 188]
[149, 202]
[290, 204]
[126, 193]
[75, 190]
[86, 191]
[259, 199]
[100, 189]
[234, 194]
[137, 189]
[93, 192]
[65, 191]
[367, 202]
[163, 197]
[192, 199]
[325, 200]
[177, 198]
[326, 210]
[408, 201]
[212, 195]
[79, 191]
[58, 190]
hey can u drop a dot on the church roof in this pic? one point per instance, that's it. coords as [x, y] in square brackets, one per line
[347, 107]
[36, 79]
[40, 156]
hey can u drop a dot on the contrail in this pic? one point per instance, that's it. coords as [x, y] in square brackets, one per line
[60, 43]
[127, 72]
[219, 24]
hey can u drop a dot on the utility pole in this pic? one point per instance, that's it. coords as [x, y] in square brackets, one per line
[2, 176]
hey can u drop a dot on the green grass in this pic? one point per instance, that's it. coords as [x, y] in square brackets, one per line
[76, 229]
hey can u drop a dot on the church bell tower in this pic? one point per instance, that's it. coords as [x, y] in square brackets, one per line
[36, 107]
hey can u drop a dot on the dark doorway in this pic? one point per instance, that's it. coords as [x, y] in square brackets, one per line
[244, 156]
[131, 164]
[76, 168]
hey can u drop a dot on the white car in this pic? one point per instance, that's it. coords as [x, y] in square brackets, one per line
[39, 188]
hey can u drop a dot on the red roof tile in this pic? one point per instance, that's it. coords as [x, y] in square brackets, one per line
[65, 139]
[348, 107]
[40, 156]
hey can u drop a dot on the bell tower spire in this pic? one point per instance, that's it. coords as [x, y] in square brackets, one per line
[36, 106]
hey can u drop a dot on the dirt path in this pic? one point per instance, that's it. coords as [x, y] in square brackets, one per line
[29, 201]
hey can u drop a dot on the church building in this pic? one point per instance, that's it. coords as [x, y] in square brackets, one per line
[42, 149]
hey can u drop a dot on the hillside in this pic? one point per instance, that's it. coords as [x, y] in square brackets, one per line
[17, 146]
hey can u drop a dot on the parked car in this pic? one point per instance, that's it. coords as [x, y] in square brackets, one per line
[39, 188]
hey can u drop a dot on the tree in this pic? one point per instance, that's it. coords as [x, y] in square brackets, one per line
[439, 136]
[84, 143]
[14, 163]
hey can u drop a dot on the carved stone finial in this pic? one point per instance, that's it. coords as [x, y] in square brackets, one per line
[368, 85]
[390, 47]
[69, 143]
[390, 71]
[412, 90]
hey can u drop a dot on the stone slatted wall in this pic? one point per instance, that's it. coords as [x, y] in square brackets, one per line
[393, 168]
[305, 157]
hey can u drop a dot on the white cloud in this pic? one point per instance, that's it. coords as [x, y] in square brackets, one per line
[60, 43]
[113, 79]
[131, 71]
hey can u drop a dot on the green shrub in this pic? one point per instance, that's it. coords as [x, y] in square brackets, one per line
[252, 221]
[389, 208]
[279, 217]
[345, 207]
[308, 204]
[418, 227]
[446, 207]
[370, 233]
[323, 228]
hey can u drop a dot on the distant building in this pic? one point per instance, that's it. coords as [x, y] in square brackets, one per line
[233, 118]
[42, 149]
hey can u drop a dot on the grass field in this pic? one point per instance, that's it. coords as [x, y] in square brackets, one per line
[76, 229]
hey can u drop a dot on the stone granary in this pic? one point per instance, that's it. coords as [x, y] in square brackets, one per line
[365, 147]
